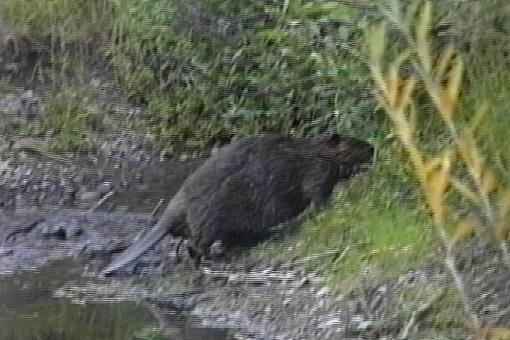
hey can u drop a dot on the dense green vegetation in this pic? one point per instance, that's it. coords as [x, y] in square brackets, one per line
[207, 68]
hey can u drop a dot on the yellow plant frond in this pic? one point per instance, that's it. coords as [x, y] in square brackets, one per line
[406, 93]
[465, 228]
[446, 107]
[444, 62]
[436, 186]
[489, 181]
[454, 83]
[402, 127]
[393, 86]
[413, 118]
[422, 32]
[433, 164]
[380, 83]
[438, 99]
[394, 83]
[417, 161]
[464, 190]
[469, 153]
[464, 150]
[436, 162]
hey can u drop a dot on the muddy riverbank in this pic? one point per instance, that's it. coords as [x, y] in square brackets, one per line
[63, 216]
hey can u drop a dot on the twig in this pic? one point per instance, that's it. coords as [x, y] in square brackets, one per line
[332, 252]
[156, 208]
[23, 230]
[418, 314]
[337, 256]
[459, 283]
[252, 277]
[101, 201]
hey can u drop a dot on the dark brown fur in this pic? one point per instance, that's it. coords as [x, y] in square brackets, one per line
[251, 185]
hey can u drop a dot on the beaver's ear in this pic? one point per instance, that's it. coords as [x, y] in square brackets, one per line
[335, 147]
[334, 140]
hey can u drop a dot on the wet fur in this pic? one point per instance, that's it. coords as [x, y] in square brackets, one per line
[250, 186]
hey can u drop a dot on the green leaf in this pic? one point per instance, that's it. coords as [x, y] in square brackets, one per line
[327, 10]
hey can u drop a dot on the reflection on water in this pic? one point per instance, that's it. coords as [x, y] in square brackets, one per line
[29, 311]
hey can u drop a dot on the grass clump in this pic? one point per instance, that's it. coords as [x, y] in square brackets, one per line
[208, 68]
[71, 126]
[375, 228]
[64, 21]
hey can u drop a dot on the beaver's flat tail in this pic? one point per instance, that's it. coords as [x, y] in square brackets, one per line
[137, 249]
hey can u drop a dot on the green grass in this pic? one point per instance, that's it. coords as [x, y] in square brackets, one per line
[267, 77]
[376, 222]
[70, 124]
[78, 21]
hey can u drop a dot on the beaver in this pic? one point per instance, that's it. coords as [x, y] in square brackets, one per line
[250, 186]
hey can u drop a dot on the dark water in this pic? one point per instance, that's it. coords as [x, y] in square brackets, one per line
[29, 310]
